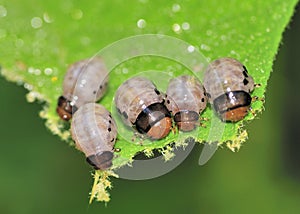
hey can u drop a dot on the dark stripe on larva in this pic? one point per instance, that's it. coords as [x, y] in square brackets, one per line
[143, 122]
[245, 72]
[231, 100]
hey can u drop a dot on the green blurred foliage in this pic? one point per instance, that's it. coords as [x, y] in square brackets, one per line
[41, 174]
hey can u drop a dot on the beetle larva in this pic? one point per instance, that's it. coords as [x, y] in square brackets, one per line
[228, 86]
[141, 105]
[94, 131]
[84, 82]
[186, 99]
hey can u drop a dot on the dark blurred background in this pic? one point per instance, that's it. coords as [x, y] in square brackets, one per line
[41, 174]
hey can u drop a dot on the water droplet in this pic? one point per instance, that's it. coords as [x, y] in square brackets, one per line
[176, 28]
[19, 43]
[176, 8]
[36, 22]
[233, 52]
[40, 35]
[77, 14]
[47, 18]
[48, 71]
[37, 71]
[191, 48]
[30, 70]
[125, 70]
[41, 84]
[205, 47]
[185, 26]
[141, 23]
[209, 32]
[3, 11]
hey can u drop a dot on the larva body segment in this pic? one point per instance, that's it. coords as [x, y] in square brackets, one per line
[141, 105]
[186, 99]
[228, 86]
[94, 131]
[85, 81]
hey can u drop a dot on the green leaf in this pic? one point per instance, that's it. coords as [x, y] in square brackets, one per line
[38, 43]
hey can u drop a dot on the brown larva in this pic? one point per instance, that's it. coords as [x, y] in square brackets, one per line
[94, 131]
[186, 99]
[84, 82]
[141, 105]
[228, 86]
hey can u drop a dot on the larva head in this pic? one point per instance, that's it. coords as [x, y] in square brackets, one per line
[160, 129]
[154, 121]
[232, 106]
[64, 108]
[101, 160]
[186, 120]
